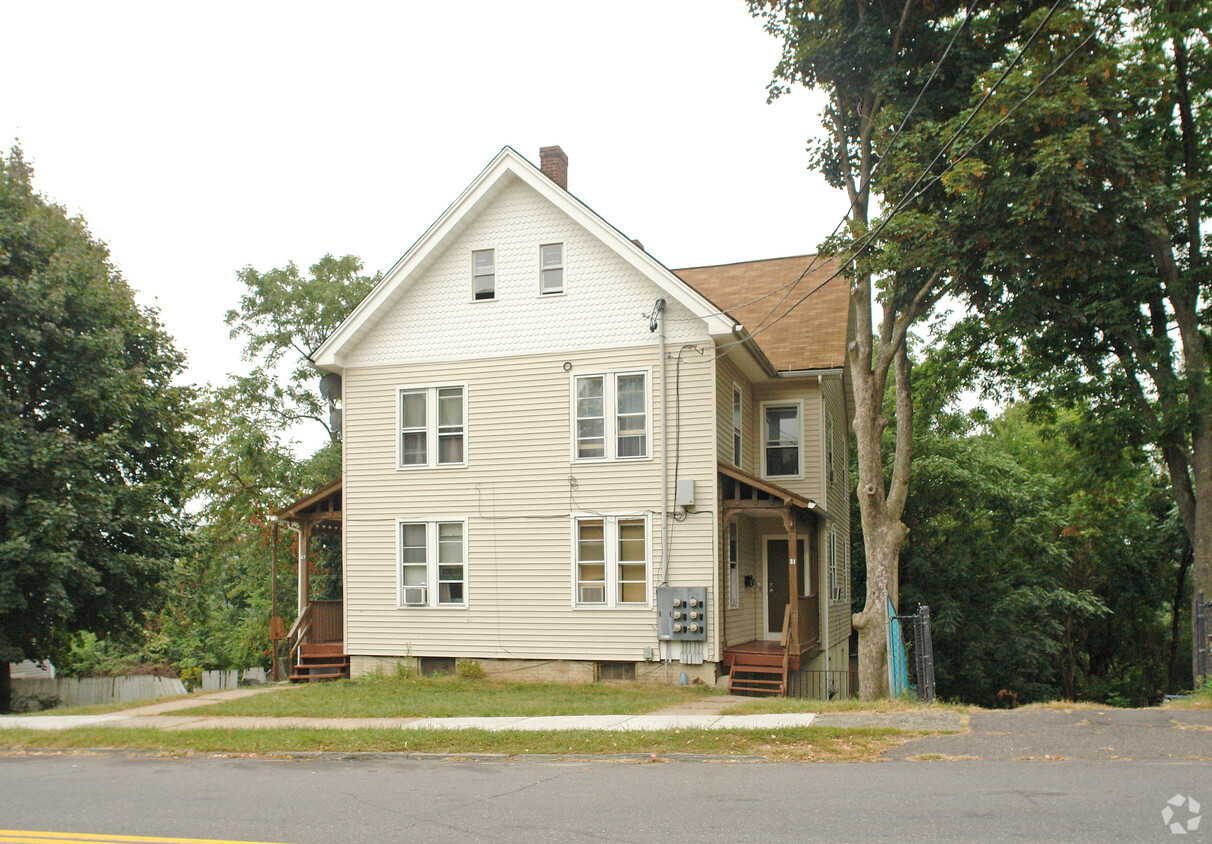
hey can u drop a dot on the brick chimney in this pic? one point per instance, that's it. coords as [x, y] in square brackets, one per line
[554, 164]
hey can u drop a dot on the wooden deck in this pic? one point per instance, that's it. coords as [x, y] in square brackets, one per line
[768, 653]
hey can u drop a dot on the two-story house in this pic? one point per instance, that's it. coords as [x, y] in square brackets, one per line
[564, 460]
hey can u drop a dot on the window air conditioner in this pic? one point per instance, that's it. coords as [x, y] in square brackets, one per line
[414, 596]
[593, 594]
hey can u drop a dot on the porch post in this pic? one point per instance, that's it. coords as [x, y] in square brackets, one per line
[793, 571]
[304, 564]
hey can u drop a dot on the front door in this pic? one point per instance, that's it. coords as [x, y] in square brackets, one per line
[777, 585]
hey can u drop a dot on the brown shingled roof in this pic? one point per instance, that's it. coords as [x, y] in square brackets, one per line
[812, 336]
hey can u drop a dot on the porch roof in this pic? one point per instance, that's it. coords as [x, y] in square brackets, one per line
[750, 491]
[322, 507]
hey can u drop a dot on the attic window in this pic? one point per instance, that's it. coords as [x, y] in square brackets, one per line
[483, 274]
[551, 268]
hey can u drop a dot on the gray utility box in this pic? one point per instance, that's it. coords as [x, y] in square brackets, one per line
[682, 613]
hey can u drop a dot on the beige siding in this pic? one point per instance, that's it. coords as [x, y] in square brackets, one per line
[727, 376]
[838, 497]
[807, 391]
[518, 493]
[744, 622]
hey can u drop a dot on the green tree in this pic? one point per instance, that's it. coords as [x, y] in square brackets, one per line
[93, 442]
[248, 466]
[283, 318]
[1046, 548]
[872, 58]
[1079, 231]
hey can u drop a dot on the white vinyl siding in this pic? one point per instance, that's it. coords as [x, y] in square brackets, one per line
[433, 426]
[520, 571]
[610, 416]
[432, 563]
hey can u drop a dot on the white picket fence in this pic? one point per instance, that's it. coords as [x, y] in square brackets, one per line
[31, 693]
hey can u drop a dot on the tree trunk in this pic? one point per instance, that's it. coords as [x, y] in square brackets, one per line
[883, 531]
[1178, 605]
[6, 687]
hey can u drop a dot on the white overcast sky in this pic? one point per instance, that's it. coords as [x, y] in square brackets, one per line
[197, 139]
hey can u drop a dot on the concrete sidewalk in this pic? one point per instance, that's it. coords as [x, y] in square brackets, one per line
[701, 714]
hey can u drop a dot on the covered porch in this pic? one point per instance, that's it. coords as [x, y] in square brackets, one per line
[316, 641]
[771, 569]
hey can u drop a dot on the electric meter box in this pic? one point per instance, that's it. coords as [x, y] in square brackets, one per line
[681, 613]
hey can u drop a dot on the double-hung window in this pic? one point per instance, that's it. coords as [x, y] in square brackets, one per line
[830, 468]
[611, 561]
[433, 563]
[736, 426]
[610, 416]
[734, 567]
[551, 268]
[837, 567]
[484, 274]
[433, 426]
[781, 440]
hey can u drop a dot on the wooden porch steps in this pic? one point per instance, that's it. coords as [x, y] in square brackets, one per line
[326, 661]
[758, 674]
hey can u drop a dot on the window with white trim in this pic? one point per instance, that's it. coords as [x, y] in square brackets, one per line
[433, 563]
[610, 416]
[483, 274]
[433, 426]
[781, 440]
[736, 426]
[611, 561]
[734, 567]
[830, 468]
[837, 567]
[551, 268]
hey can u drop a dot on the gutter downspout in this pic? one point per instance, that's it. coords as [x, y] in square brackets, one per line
[660, 317]
[658, 322]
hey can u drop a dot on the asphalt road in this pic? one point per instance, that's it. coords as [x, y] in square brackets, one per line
[379, 798]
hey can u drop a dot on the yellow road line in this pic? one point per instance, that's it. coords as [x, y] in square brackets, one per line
[29, 836]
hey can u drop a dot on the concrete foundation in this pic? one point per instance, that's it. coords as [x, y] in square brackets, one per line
[539, 670]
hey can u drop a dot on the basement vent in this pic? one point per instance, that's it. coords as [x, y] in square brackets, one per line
[437, 665]
[614, 670]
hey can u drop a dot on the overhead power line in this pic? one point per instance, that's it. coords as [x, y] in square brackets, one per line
[918, 187]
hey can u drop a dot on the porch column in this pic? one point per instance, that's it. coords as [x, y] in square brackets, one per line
[304, 564]
[793, 572]
[727, 514]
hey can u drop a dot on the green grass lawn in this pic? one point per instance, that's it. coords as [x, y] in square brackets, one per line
[448, 696]
[806, 744]
[763, 705]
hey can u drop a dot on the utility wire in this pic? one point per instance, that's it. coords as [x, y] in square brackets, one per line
[791, 285]
[914, 191]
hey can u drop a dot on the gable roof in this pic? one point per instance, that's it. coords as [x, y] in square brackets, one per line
[813, 335]
[504, 169]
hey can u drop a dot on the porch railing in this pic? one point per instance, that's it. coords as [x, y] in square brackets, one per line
[320, 621]
[327, 623]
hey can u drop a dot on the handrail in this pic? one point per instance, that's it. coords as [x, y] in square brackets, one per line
[785, 641]
[298, 631]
